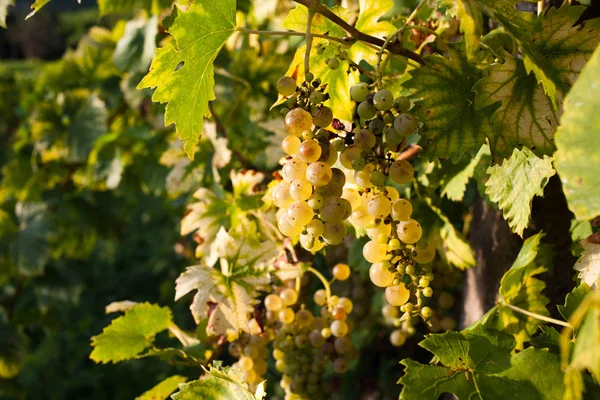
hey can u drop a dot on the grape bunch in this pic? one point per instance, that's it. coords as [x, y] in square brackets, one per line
[252, 352]
[309, 196]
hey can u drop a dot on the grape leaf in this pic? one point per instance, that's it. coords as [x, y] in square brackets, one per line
[183, 71]
[573, 300]
[12, 349]
[446, 105]
[122, 6]
[471, 24]
[526, 116]
[577, 134]
[128, 335]
[89, 124]
[135, 49]
[31, 249]
[163, 389]
[514, 184]
[586, 350]
[369, 22]
[549, 338]
[36, 7]
[4, 4]
[297, 19]
[477, 363]
[219, 383]
[588, 264]
[456, 176]
[519, 288]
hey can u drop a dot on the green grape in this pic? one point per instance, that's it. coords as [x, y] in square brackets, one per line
[273, 302]
[291, 144]
[397, 338]
[318, 174]
[293, 169]
[338, 144]
[322, 116]
[350, 154]
[320, 297]
[409, 231]
[299, 213]
[278, 354]
[246, 363]
[377, 178]
[333, 63]
[286, 316]
[333, 156]
[352, 196]
[361, 217]
[315, 201]
[426, 312]
[376, 126]
[363, 178]
[393, 139]
[423, 282]
[410, 270]
[286, 86]
[383, 100]
[334, 233]
[339, 328]
[359, 164]
[341, 272]
[401, 172]
[281, 195]
[427, 292]
[366, 110]
[297, 121]
[289, 296]
[397, 295]
[401, 210]
[379, 229]
[390, 311]
[379, 206]
[374, 252]
[300, 189]
[309, 151]
[286, 228]
[364, 139]
[359, 92]
[333, 209]
[315, 228]
[402, 104]
[405, 124]
[316, 97]
[379, 274]
[309, 76]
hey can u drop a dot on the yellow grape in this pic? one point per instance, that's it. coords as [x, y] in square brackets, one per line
[380, 276]
[246, 363]
[380, 229]
[285, 227]
[291, 144]
[289, 296]
[300, 189]
[281, 195]
[397, 295]
[374, 252]
[345, 302]
[425, 255]
[294, 169]
[390, 311]
[315, 201]
[379, 206]
[352, 196]
[364, 139]
[309, 151]
[297, 121]
[392, 193]
[315, 227]
[320, 297]
[318, 173]
[339, 328]
[401, 210]
[350, 154]
[397, 338]
[341, 272]
[401, 172]
[286, 316]
[299, 213]
[361, 218]
[334, 233]
[409, 231]
[273, 302]
[333, 209]
[363, 178]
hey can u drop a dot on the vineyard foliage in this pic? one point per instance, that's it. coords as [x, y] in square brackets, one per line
[179, 221]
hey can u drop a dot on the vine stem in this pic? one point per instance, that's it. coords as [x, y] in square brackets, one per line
[537, 316]
[286, 33]
[309, 39]
[324, 281]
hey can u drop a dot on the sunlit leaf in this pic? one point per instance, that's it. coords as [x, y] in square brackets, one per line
[4, 4]
[471, 24]
[163, 389]
[588, 264]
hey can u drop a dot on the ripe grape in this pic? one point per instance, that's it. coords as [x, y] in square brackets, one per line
[291, 144]
[345, 302]
[341, 272]
[383, 100]
[380, 229]
[246, 363]
[273, 302]
[318, 174]
[409, 231]
[364, 139]
[286, 86]
[339, 328]
[293, 169]
[350, 154]
[340, 365]
[397, 338]
[427, 292]
[322, 116]
[379, 206]
[390, 311]
[445, 300]
[377, 178]
[304, 318]
[401, 172]
[286, 228]
[300, 190]
[286, 316]
[343, 345]
[281, 195]
[333, 209]
[392, 193]
[425, 255]
[426, 312]
[393, 139]
[316, 339]
[297, 121]
[363, 178]
[299, 213]
[359, 164]
[402, 104]
[366, 110]
[358, 92]
[309, 151]
[320, 297]
[361, 217]
[405, 124]
[401, 210]
[423, 282]
[339, 313]
[397, 295]
[352, 196]
[334, 233]
[379, 274]
[289, 296]
[315, 201]
[374, 252]
[315, 228]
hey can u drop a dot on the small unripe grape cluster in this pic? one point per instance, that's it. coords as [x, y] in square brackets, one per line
[310, 194]
[252, 352]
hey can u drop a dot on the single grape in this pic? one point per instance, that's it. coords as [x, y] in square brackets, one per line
[358, 92]
[426, 312]
[343, 345]
[359, 164]
[383, 100]
[286, 228]
[322, 116]
[376, 126]
[363, 178]
[392, 193]
[390, 311]
[427, 292]
[300, 189]
[379, 229]
[316, 339]
[297, 121]
[308, 242]
[377, 178]
[405, 124]
[251, 351]
[380, 276]
[366, 110]
[286, 316]
[320, 297]
[352, 196]
[401, 172]
[318, 174]
[423, 282]
[350, 154]
[379, 206]
[333, 63]
[333, 156]
[445, 300]
[309, 151]
[401, 210]
[281, 195]
[286, 86]
[341, 272]
[374, 252]
[338, 144]
[339, 313]
[339, 328]
[364, 139]
[316, 97]
[425, 255]
[397, 338]
[409, 231]
[333, 209]
[315, 228]
[334, 233]
[315, 201]
[291, 144]
[402, 104]
[293, 169]
[299, 213]
[273, 302]
[397, 295]
[309, 76]
[393, 139]
[361, 217]
[345, 302]
[326, 333]
[246, 363]
[289, 296]
[448, 324]
[304, 318]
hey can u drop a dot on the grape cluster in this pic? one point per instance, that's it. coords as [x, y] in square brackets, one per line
[309, 197]
[252, 352]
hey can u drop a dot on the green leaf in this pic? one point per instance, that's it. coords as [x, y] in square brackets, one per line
[586, 351]
[519, 288]
[471, 24]
[183, 72]
[163, 389]
[217, 384]
[4, 4]
[128, 335]
[369, 22]
[549, 338]
[446, 106]
[456, 176]
[514, 184]
[526, 116]
[573, 300]
[31, 250]
[135, 49]
[36, 7]
[578, 133]
[12, 349]
[477, 363]
[87, 126]
[588, 264]
[297, 19]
